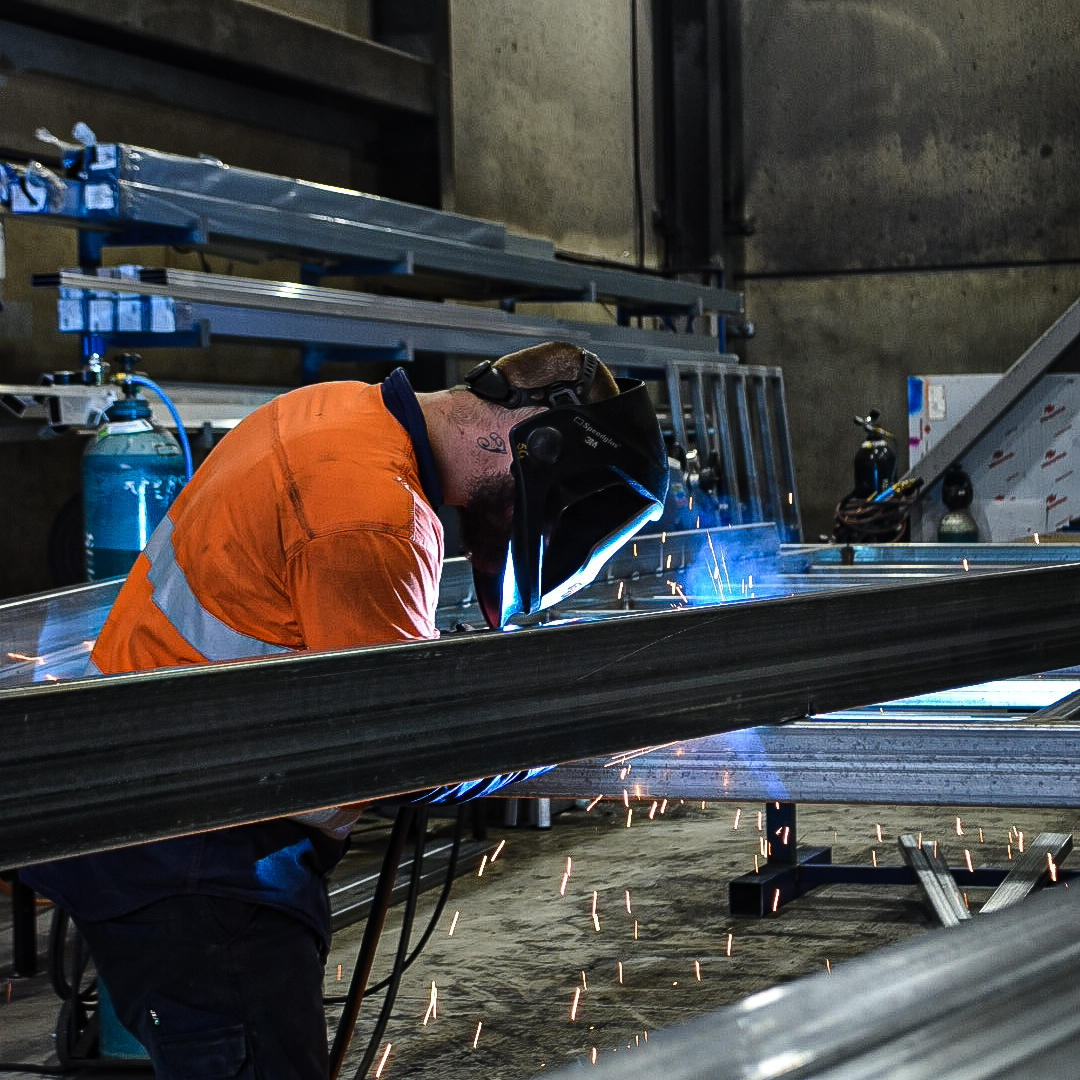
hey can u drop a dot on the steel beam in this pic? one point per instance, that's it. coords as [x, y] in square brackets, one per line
[95, 763]
[1035, 869]
[991, 998]
[906, 763]
[934, 879]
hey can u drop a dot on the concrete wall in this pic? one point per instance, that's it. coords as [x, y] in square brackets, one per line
[909, 174]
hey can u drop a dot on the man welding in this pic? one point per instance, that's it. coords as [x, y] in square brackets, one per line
[313, 525]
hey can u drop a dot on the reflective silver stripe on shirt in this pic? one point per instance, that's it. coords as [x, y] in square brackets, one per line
[202, 630]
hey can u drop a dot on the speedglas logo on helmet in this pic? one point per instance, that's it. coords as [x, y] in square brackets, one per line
[596, 433]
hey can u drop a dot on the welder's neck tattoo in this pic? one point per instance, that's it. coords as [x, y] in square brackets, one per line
[493, 443]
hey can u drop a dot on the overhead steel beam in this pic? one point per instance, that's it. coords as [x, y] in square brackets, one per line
[103, 762]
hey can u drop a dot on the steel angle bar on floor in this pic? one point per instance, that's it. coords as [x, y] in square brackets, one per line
[934, 879]
[102, 762]
[912, 763]
[994, 997]
[1037, 866]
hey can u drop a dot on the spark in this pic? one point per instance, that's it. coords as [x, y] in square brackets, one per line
[776, 900]
[573, 1007]
[663, 806]
[964, 895]
[697, 970]
[828, 966]
[476, 1037]
[495, 853]
[483, 863]
[791, 498]
[635, 551]
[738, 814]
[628, 911]
[652, 810]
[878, 828]
[433, 1004]
[1036, 537]
[667, 563]
[787, 835]
[1009, 852]
[663, 538]
[594, 902]
[622, 775]
[593, 803]
[755, 863]
[959, 828]
[1020, 842]
[967, 859]
[980, 834]
[966, 567]
[584, 984]
[629, 817]
[1051, 866]
[23, 656]
[625, 798]
[453, 923]
[339, 973]
[729, 944]
[596, 922]
[382, 1060]
[562, 887]
[759, 821]
[873, 857]
[635, 929]
[618, 595]
[935, 849]
[594, 1055]
[50, 677]
[569, 865]
[620, 973]
[761, 846]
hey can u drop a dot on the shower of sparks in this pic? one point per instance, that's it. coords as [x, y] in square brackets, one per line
[959, 828]
[495, 853]
[483, 863]
[476, 1037]
[593, 803]
[628, 911]
[453, 924]
[573, 1007]
[729, 937]
[382, 1060]
[967, 859]
[738, 814]
[697, 970]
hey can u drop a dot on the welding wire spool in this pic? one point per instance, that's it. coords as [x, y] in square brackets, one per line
[872, 521]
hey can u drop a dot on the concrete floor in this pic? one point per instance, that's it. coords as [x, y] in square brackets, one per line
[528, 980]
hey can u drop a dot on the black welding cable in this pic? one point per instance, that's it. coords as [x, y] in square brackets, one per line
[440, 904]
[407, 915]
[380, 904]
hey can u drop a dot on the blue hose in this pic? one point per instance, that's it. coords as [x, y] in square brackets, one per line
[142, 380]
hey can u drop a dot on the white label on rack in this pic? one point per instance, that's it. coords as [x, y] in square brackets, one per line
[99, 197]
[129, 313]
[69, 312]
[100, 314]
[162, 315]
[104, 156]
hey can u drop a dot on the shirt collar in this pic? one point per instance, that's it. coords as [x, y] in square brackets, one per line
[400, 399]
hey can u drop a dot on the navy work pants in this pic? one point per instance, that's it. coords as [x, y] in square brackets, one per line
[216, 989]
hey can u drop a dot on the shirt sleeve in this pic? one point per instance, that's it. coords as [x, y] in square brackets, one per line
[363, 587]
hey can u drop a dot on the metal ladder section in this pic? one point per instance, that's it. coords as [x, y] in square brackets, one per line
[735, 417]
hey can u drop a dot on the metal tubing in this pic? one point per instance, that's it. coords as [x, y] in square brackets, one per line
[934, 879]
[1031, 872]
[104, 762]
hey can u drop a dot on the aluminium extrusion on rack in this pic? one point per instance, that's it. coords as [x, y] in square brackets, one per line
[231, 742]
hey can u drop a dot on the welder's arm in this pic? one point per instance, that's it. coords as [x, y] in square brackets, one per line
[362, 588]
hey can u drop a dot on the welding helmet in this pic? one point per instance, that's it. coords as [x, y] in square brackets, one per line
[587, 477]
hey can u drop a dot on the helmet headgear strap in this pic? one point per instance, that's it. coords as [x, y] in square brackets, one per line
[490, 383]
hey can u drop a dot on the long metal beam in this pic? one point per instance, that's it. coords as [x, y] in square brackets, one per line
[993, 998]
[907, 763]
[103, 762]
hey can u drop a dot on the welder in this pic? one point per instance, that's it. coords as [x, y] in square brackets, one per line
[313, 525]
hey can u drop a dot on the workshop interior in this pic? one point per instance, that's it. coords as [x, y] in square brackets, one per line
[840, 246]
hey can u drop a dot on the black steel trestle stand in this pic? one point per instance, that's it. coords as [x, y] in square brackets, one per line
[790, 871]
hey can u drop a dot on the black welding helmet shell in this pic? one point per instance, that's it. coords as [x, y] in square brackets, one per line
[587, 477]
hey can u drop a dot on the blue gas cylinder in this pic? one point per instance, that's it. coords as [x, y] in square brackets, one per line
[132, 471]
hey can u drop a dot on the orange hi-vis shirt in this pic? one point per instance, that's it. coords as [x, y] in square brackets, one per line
[306, 528]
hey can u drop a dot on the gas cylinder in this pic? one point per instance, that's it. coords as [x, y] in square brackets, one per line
[132, 471]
